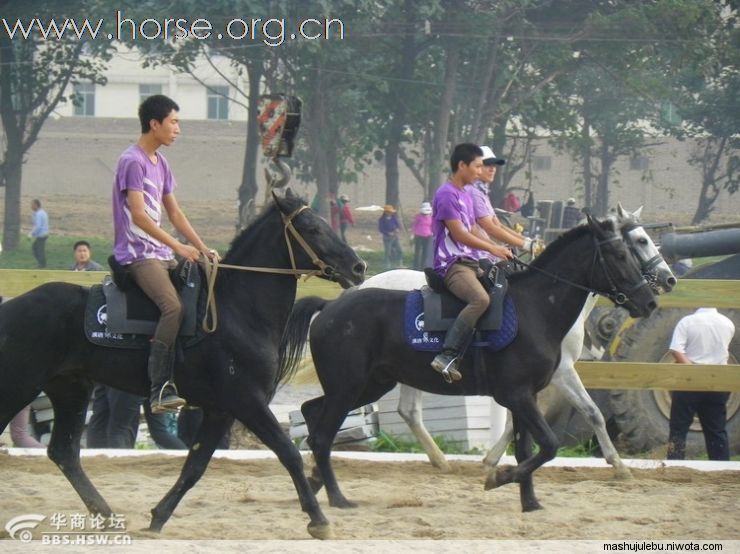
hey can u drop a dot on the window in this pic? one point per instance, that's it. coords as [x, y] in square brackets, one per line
[541, 163]
[218, 102]
[639, 163]
[145, 91]
[85, 99]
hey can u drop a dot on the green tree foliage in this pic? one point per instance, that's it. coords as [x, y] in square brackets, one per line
[35, 76]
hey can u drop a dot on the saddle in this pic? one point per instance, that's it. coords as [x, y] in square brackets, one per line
[119, 314]
[430, 312]
[441, 307]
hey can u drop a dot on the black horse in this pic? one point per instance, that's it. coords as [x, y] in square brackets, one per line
[231, 373]
[360, 353]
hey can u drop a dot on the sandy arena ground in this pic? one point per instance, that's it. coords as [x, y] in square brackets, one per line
[255, 499]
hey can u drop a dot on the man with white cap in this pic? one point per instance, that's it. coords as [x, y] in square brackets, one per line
[485, 215]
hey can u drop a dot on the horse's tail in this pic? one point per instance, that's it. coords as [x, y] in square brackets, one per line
[295, 336]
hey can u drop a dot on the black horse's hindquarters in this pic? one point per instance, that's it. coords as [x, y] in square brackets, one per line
[359, 350]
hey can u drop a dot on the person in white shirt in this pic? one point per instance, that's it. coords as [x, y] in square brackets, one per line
[701, 338]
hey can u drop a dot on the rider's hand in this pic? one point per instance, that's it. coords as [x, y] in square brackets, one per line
[188, 252]
[211, 254]
[500, 251]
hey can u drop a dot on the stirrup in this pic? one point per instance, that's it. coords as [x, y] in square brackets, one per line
[449, 372]
[170, 403]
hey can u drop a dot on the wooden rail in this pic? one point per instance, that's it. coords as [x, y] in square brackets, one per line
[14, 282]
[661, 376]
[689, 293]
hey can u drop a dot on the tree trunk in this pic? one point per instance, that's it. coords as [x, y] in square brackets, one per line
[711, 157]
[588, 199]
[248, 188]
[437, 156]
[12, 173]
[602, 192]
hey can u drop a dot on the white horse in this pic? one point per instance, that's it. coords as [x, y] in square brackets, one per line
[565, 379]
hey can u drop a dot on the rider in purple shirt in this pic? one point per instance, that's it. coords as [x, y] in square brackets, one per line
[142, 190]
[458, 242]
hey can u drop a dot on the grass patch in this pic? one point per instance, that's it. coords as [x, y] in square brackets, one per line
[389, 443]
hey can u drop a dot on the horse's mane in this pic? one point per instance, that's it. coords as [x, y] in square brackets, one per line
[250, 234]
[555, 248]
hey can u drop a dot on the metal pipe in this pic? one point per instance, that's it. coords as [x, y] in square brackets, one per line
[698, 245]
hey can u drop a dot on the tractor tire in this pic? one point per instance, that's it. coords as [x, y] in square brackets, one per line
[642, 417]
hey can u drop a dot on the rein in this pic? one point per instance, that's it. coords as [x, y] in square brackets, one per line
[617, 297]
[211, 267]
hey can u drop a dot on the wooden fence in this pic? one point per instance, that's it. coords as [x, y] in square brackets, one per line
[689, 293]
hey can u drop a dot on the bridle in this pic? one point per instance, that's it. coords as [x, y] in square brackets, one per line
[211, 267]
[613, 293]
[647, 266]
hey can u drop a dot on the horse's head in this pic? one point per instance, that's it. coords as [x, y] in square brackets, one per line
[312, 243]
[655, 269]
[616, 272]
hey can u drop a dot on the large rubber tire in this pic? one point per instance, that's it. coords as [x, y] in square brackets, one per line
[642, 416]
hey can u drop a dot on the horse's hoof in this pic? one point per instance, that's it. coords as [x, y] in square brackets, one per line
[622, 473]
[321, 531]
[532, 507]
[342, 503]
[500, 476]
[491, 482]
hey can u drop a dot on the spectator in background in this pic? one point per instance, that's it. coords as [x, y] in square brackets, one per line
[701, 338]
[390, 229]
[83, 261]
[511, 203]
[345, 216]
[334, 214]
[19, 430]
[188, 423]
[423, 237]
[571, 214]
[39, 232]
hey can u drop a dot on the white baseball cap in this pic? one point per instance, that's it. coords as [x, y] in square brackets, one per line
[489, 158]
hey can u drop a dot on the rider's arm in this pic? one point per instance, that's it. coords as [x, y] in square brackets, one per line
[680, 357]
[497, 230]
[463, 236]
[141, 219]
[182, 224]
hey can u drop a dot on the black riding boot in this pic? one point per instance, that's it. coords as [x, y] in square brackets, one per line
[163, 393]
[456, 341]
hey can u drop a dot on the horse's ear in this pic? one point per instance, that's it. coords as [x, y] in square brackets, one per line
[279, 202]
[595, 226]
[290, 195]
[637, 214]
[622, 214]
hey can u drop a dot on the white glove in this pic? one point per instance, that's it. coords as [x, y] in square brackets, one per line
[527, 244]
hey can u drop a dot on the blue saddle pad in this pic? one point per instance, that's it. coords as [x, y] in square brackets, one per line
[431, 341]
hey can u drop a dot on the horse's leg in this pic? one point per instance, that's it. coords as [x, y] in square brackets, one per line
[258, 417]
[69, 398]
[570, 385]
[410, 409]
[211, 429]
[499, 449]
[324, 418]
[527, 419]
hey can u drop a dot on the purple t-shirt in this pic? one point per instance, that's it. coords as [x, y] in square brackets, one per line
[481, 208]
[135, 171]
[451, 203]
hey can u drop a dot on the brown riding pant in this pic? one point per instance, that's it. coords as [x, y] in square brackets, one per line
[153, 278]
[462, 281]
